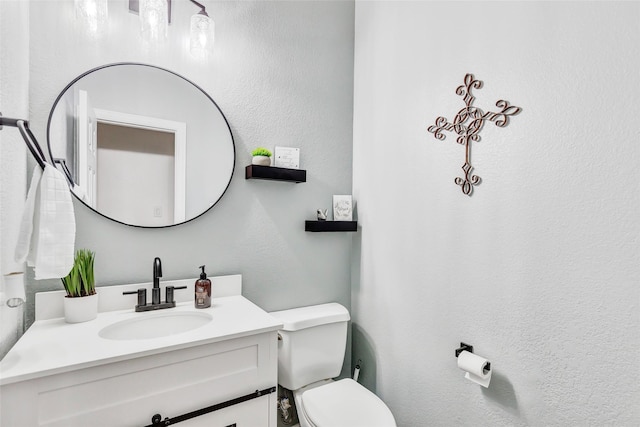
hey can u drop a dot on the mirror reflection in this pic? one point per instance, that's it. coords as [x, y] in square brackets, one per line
[141, 145]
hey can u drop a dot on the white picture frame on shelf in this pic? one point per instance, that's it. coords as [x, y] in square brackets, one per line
[342, 207]
[286, 157]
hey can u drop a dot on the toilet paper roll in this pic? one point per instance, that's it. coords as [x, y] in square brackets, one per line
[478, 369]
[14, 289]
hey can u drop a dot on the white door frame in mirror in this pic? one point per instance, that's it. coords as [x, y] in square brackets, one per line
[178, 129]
[87, 148]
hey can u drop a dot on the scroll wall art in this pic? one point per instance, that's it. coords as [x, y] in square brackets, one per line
[468, 123]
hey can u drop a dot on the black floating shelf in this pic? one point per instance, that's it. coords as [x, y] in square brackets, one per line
[275, 173]
[317, 226]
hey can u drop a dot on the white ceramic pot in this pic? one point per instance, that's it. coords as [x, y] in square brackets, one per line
[80, 309]
[261, 160]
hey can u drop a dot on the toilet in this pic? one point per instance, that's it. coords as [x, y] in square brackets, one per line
[311, 348]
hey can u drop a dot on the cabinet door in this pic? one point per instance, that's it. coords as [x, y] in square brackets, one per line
[128, 393]
[252, 413]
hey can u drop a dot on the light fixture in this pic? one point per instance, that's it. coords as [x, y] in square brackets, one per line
[94, 13]
[155, 16]
[202, 33]
[154, 19]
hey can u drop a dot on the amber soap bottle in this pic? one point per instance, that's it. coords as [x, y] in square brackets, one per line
[203, 291]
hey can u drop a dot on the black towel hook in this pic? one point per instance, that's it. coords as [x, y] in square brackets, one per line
[27, 135]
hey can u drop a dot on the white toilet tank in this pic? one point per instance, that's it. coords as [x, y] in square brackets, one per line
[313, 343]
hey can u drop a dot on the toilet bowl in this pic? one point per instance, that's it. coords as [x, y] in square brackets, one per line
[311, 348]
[342, 403]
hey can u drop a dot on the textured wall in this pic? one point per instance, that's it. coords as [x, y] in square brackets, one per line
[539, 268]
[282, 73]
[14, 102]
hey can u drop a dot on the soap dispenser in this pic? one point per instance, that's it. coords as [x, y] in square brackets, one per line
[203, 291]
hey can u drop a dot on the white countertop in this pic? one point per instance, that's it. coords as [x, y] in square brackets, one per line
[52, 346]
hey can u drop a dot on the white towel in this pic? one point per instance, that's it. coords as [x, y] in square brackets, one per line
[26, 225]
[52, 243]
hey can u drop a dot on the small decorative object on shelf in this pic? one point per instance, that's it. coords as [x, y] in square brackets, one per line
[261, 156]
[322, 214]
[342, 208]
[287, 157]
[275, 173]
[319, 226]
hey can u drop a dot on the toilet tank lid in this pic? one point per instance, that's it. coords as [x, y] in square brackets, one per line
[296, 319]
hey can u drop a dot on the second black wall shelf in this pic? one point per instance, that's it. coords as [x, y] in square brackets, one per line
[317, 226]
[275, 173]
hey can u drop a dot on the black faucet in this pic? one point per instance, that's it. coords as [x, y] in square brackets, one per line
[157, 274]
[156, 304]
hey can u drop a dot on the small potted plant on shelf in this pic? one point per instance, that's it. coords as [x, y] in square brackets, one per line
[261, 157]
[81, 301]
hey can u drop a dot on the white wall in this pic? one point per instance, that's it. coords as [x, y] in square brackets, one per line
[14, 103]
[539, 268]
[282, 73]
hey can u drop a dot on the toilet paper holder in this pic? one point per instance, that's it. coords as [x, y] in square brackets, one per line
[469, 348]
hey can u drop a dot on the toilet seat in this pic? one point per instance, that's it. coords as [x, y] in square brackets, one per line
[345, 403]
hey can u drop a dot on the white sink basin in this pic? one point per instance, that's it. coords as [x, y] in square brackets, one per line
[155, 325]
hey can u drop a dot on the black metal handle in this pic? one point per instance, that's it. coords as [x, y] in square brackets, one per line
[142, 295]
[169, 292]
[157, 420]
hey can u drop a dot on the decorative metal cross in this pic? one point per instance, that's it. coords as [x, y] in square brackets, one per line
[468, 123]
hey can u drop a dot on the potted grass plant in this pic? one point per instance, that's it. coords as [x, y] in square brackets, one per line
[261, 156]
[81, 301]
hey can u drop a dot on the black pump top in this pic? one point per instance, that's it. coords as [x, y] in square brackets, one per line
[203, 275]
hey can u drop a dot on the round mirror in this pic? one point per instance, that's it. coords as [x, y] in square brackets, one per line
[141, 145]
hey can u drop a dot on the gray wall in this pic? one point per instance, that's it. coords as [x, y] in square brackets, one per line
[282, 73]
[538, 269]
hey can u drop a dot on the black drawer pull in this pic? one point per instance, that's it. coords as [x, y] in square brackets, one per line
[157, 421]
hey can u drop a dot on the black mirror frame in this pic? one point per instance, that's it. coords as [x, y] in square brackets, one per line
[175, 74]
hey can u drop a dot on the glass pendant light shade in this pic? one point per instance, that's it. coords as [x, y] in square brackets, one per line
[202, 35]
[94, 13]
[154, 20]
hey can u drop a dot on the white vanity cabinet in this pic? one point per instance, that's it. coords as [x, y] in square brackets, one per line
[44, 381]
[171, 384]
